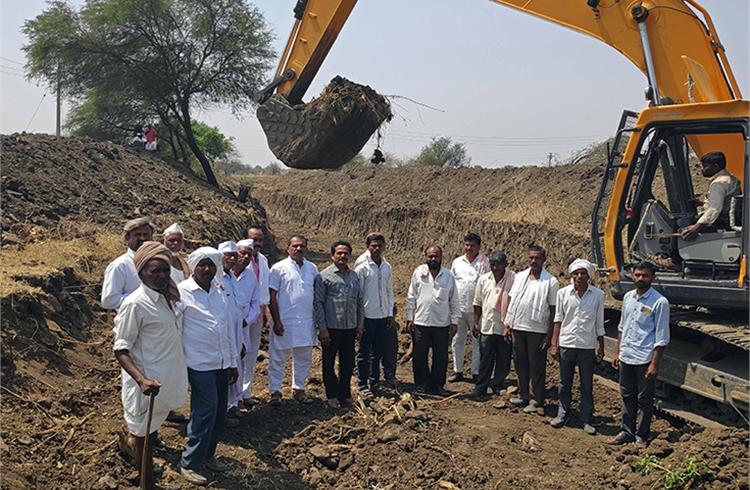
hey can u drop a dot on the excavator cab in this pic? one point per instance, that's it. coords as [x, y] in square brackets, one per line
[656, 191]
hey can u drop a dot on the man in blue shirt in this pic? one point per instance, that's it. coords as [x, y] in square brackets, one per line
[643, 334]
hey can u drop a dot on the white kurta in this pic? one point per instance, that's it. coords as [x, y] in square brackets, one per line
[120, 279]
[466, 274]
[176, 274]
[294, 287]
[149, 329]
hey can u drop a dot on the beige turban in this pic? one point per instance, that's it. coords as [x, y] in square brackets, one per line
[582, 264]
[137, 223]
[155, 250]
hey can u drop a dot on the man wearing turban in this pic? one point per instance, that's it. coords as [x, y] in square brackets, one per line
[578, 329]
[211, 356]
[148, 346]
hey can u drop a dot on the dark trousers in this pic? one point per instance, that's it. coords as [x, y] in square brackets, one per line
[424, 339]
[342, 344]
[390, 357]
[531, 364]
[585, 359]
[371, 349]
[494, 355]
[208, 409]
[637, 394]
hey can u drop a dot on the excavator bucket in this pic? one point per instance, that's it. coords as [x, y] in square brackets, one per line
[326, 132]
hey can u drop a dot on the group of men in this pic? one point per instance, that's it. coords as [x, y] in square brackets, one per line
[198, 322]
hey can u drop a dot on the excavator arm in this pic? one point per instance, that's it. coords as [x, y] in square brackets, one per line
[673, 42]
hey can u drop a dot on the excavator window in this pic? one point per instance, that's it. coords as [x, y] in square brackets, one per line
[668, 194]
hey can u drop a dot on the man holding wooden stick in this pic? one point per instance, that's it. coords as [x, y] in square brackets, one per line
[148, 346]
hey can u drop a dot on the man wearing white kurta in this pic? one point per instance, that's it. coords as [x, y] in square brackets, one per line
[467, 269]
[248, 301]
[292, 293]
[120, 277]
[148, 346]
[259, 264]
[228, 250]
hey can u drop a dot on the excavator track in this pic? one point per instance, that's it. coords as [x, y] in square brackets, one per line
[726, 329]
[707, 355]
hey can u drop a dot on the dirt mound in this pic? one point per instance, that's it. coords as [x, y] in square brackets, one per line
[417, 205]
[53, 187]
[327, 132]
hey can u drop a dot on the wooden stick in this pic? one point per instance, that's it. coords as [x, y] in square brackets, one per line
[25, 400]
[144, 456]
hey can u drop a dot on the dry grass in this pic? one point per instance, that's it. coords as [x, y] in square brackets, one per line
[22, 267]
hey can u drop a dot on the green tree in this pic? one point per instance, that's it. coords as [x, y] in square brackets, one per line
[175, 56]
[442, 152]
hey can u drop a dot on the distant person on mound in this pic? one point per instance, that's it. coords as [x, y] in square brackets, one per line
[491, 300]
[339, 317]
[578, 340]
[151, 143]
[120, 277]
[724, 186]
[530, 316]
[148, 347]
[174, 239]
[380, 339]
[259, 265]
[432, 312]
[293, 333]
[137, 138]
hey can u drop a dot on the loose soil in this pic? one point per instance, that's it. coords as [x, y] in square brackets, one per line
[328, 131]
[60, 390]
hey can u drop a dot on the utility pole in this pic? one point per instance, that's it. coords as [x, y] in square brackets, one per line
[57, 115]
[549, 159]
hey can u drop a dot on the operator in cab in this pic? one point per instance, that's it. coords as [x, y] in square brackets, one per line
[715, 208]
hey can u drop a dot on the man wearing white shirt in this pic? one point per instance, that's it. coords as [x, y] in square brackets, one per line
[376, 280]
[228, 250]
[491, 299]
[530, 315]
[259, 264]
[432, 311]
[248, 301]
[211, 356]
[174, 239]
[120, 277]
[291, 282]
[579, 327]
[467, 269]
[148, 347]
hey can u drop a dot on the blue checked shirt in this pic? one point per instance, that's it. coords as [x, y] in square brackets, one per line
[644, 325]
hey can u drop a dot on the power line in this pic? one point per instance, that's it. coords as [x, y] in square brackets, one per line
[10, 60]
[11, 73]
[35, 111]
[500, 138]
[11, 68]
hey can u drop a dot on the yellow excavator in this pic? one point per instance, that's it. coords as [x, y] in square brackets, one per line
[647, 194]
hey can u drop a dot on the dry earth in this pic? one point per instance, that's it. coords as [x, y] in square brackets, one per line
[64, 201]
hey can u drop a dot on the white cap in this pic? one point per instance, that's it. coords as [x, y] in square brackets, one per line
[246, 243]
[173, 228]
[228, 247]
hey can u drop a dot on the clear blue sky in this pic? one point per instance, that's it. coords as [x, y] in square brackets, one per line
[512, 87]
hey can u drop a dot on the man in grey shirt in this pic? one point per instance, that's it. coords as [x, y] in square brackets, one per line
[339, 317]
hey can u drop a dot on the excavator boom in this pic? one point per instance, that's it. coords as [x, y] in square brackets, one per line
[673, 42]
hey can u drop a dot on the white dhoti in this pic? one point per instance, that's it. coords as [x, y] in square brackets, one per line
[242, 338]
[251, 359]
[301, 362]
